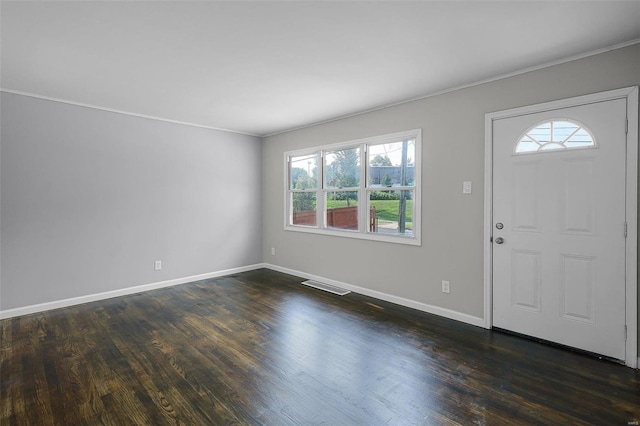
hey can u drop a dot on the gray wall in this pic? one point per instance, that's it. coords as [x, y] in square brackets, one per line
[453, 152]
[90, 199]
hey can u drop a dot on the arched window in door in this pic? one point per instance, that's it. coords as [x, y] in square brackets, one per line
[555, 135]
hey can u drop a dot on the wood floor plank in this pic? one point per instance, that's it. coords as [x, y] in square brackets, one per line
[258, 348]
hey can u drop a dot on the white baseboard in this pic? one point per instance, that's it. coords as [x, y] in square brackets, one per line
[26, 310]
[41, 307]
[443, 312]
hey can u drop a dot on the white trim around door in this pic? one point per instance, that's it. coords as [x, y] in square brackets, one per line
[631, 279]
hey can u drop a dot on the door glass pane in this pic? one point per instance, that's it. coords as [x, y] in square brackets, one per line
[557, 135]
[541, 133]
[342, 168]
[342, 210]
[303, 208]
[562, 130]
[527, 145]
[304, 172]
[391, 212]
[580, 138]
[392, 164]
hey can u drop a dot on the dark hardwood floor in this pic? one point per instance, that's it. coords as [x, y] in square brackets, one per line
[259, 348]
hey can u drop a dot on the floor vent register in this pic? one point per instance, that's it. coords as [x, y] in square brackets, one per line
[326, 287]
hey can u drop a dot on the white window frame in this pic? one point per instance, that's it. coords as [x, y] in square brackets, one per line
[363, 190]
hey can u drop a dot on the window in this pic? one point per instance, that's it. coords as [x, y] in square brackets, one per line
[554, 135]
[365, 189]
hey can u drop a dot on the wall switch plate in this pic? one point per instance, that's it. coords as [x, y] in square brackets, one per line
[157, 265]
[445, 287]
[466, 187]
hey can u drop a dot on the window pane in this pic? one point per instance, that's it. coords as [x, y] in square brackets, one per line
[342, 168]
[342, 210]
[304, 172]
[304, 208]
[391, 212]
[392, 164]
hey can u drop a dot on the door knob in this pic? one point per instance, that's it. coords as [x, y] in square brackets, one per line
[499, 240]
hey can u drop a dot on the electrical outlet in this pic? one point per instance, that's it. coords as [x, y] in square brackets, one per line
[466, 187]
[157, 265]
[445, 287]
[273, 251]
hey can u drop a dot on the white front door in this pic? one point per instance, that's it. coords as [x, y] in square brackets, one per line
[559, 225]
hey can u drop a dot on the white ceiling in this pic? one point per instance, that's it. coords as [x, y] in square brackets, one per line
[265, 67]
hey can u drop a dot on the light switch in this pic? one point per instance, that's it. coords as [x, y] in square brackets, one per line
[466, 187]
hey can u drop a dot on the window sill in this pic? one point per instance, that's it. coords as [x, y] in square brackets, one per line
[396, 239]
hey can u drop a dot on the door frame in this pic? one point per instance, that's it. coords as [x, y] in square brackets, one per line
[630, 94]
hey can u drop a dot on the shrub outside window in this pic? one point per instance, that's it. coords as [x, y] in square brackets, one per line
[366, 189]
